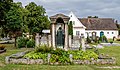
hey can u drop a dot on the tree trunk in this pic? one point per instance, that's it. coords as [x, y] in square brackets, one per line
[15, 42]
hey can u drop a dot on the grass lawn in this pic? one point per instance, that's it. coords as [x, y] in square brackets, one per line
[112, 51]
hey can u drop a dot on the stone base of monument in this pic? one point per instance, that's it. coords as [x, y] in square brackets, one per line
[17, 59]
[61, 47]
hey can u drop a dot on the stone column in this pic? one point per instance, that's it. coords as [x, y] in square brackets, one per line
[37, 39]
[70, 40]
[66, 37]
[49, 40]
[53, 36]
[83, 42]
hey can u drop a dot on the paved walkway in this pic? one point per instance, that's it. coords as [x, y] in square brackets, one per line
[110, 67]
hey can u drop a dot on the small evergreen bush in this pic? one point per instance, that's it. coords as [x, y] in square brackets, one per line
[43, 48]
[88, 40]
[30, 43]
[21, 42]
[103, 39]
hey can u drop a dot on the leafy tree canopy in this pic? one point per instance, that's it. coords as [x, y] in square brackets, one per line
[14, 19]
[37, 20]
[4, 8]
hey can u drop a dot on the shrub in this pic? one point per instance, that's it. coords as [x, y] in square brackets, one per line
[111, 42]
[103, 39]
[88, 40]
[60, 56]
[43, 48]
[21, 42]
[30, 43]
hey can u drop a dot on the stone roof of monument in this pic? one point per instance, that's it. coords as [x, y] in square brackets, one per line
[60, 15]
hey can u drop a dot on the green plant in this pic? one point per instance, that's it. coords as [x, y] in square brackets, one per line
[88, 39]
[103, 39]
[60, 56]
[30, 43]
[83, 55]
[43, 48]
[70, 28]
[111, 42]
[34, 55]
[21, 42]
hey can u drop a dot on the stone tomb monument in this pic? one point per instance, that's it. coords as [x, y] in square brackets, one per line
[59, 31]
[58, 36]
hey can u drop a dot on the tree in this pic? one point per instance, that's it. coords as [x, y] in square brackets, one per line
[37, 20]
[70, 27]
[15, 20]
[4, 8]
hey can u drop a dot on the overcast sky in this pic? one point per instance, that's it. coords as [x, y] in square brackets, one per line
[81, 8]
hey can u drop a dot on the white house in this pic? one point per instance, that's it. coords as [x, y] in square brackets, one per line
[100, 26]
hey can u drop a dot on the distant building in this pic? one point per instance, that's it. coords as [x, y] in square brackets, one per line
[88, 25]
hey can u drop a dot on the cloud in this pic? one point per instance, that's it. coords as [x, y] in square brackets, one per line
[81, 8]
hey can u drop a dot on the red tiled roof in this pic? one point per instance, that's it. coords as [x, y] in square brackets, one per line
[98, 23]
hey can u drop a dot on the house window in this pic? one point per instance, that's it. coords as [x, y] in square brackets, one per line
[107, 32]
[112, 32]
[71, 16]
[77, 33]
[73, 22]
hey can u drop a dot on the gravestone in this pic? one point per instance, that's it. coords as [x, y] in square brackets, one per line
[49, 55]
[76, 42]
[71, 57]
[75, 45]
[70, 40]
[37, 39]
[83, 42]
[44, 40]
[99, 46]
[94, 36]
[49, 40]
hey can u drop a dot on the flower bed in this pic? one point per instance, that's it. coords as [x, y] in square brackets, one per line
[48, 56]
